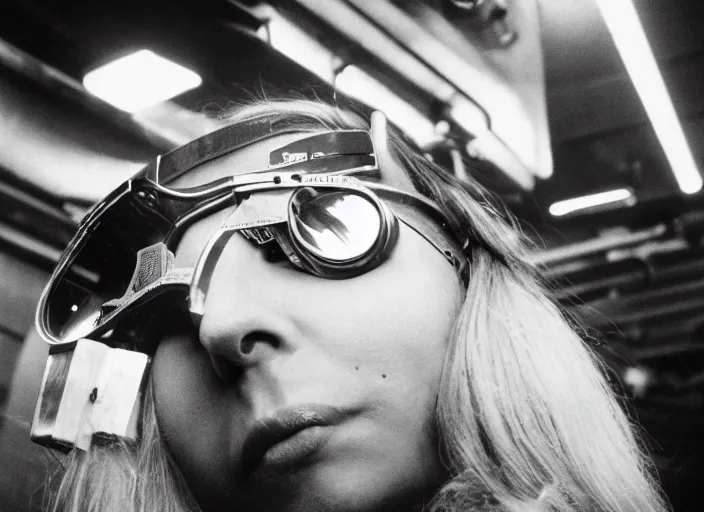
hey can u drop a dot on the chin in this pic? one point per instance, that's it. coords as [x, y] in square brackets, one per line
[347, 486]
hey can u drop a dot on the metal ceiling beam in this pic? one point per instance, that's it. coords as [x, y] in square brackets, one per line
[53, 82]
[359, 27]
[596, 246]
[59, 148]
[493, 86]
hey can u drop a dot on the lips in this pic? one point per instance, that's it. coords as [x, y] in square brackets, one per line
[292, 428]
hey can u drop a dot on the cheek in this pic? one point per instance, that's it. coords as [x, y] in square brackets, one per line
[402, 313]
[408, 343]
[382, 337]
[390, 330]
[189, 405]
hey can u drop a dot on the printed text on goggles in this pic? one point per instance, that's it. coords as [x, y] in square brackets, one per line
[325, 220]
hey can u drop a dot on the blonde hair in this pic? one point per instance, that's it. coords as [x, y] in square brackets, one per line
[120, 476]
[525, 417]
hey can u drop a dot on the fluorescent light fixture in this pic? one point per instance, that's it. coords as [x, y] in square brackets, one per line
[358, 84]
[139, 80]
[561, 208]
[298, 46]
[488, 146]
[469, 116]
[622, 21]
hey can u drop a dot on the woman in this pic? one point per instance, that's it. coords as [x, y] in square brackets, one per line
[414, 385]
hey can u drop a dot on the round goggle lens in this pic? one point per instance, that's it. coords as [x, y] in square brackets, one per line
[336, 226]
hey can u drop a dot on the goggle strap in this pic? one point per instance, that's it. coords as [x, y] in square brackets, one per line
[429, 231]
[234, 137]
[323, 145]
[216, 144]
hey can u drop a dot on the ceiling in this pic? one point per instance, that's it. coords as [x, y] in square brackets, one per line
[600, 136]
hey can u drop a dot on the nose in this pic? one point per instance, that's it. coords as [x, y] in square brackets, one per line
[247, 317]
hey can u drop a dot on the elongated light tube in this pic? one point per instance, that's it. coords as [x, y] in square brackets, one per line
[561, 208]
[622, 21]
[297, 45]
[354, 82]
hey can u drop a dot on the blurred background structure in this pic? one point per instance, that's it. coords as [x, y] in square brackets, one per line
[557, 106]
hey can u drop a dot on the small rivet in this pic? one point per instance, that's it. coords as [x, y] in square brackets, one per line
[383, 375]
[277, 179]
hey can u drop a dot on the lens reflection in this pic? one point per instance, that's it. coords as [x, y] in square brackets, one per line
[103, 266]
[85, 318]
[337, 226]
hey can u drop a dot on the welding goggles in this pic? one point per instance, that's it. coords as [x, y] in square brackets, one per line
[321, 203]
[324, 203]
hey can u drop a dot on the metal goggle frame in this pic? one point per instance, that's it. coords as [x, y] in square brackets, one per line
[367, 217]
[121, 258]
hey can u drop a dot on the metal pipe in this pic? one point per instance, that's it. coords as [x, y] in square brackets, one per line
[598, 245]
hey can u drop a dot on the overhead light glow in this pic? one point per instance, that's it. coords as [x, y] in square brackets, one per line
[580, 203]
[358, 84]
[139, 80]
[298, 46]
[622, 21]
[469, 116]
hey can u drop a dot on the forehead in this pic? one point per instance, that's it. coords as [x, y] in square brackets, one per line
[254, 157]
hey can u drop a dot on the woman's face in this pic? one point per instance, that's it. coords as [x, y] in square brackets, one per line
[351, 367]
